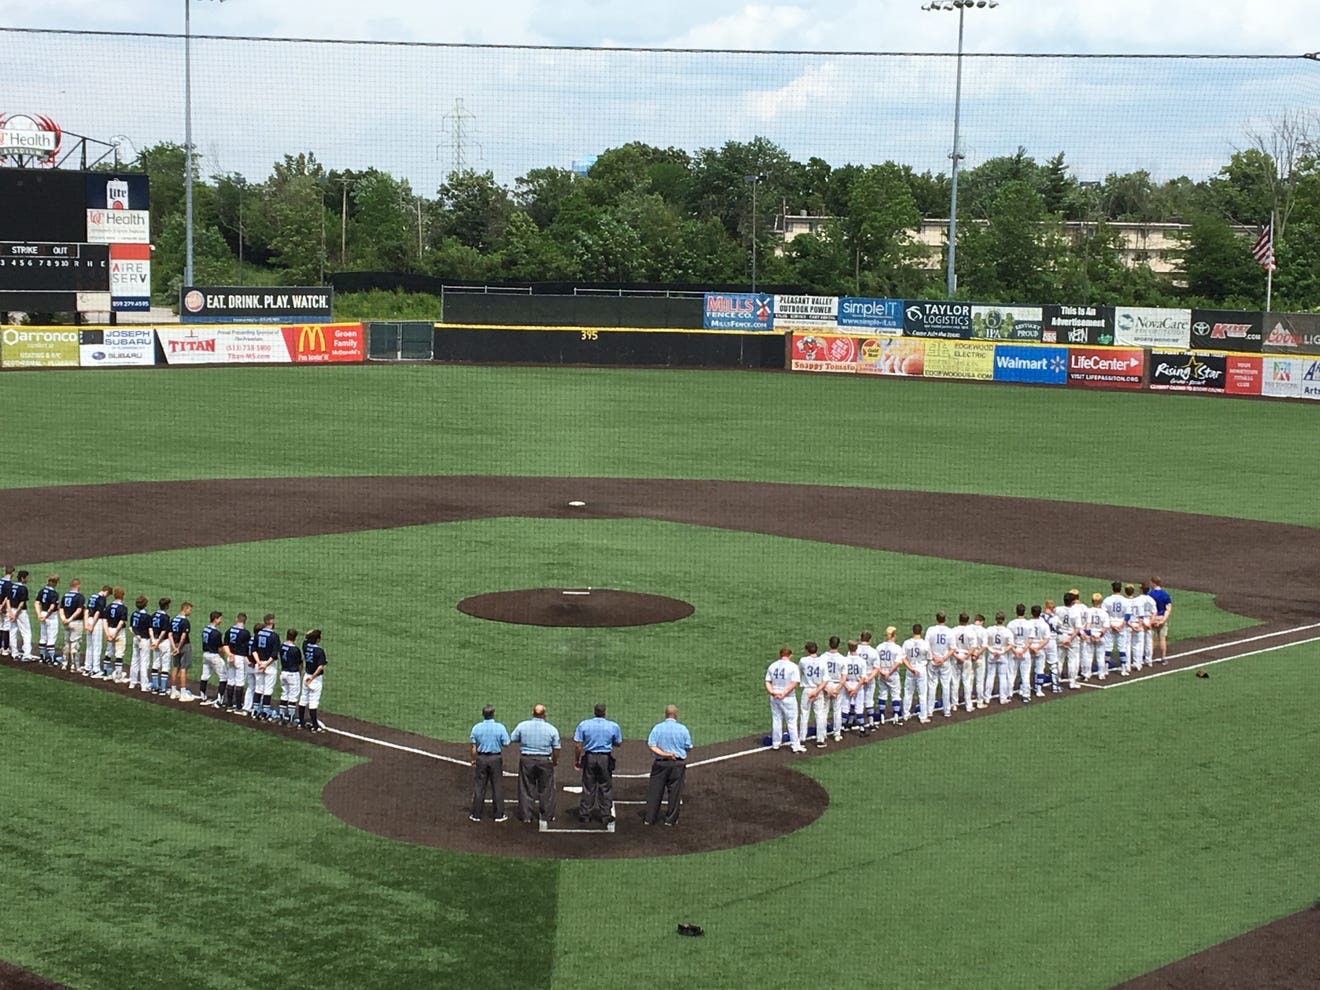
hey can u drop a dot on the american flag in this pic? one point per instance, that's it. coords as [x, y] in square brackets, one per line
[1263, 249]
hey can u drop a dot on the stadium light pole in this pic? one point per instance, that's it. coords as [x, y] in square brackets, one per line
[961, 6]
[187, 140]
[755, 180]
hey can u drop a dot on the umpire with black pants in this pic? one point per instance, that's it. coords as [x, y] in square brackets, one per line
[593, 753]
[488, 740]
[539, 741]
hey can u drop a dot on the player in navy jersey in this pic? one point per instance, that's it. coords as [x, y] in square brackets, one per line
[291, 665]
[48, 621]
[237, 648]
[313, 676]
[160, 647]
[212, 642]
[140, 623]
[181, 653]
[21, 631]
[93, 621]
[72, 606]
[265, 649]
[6, 583]
[116, 634]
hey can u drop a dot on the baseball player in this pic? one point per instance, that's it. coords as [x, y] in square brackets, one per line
[916, 658]
[815, 696]
[291, 669]
[20, 631]
[1067, 641]
[313, 677]
[1148, 609]
[6, 582]
[213, 641]
[72, 607]
[1022, 660]
[161, 657]
[237, 647]
[1077, 617]
[939, 638]
[965, 642]
[115, 624]
[871, 663]
[999, 644]
[93, 617]
[265, 647]
[1163, 610]
[140, 623]
[1116, 635]
[888, 680]
[1136, 628]
[781, 682]
[855, 671]
[181, 653]
[48, 621]
[1046, 647]
[979, 659]
[1097, 623]
[834, 670]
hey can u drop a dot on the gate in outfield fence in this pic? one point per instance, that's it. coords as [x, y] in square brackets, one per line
[400, 341]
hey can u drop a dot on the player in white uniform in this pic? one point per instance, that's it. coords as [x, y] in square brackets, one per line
[815, 698]
[965, 642]
[855, 671]
[1066, 640]
[979, 659]
[999, 644]
[1146, 605]
[781, 683]
[1136, 629]
[834, 670]
[1097, 621]
[939, 638]
[1023, 660]
[1046, 648]
[1077, 618]
[916, 658]
[889, 683]
[1114, 626]
[871, 664]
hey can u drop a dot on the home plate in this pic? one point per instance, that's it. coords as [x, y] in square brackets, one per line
[577, 503]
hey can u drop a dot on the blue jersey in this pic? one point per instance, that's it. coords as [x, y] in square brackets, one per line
[265, 643]
[48, 597]
[291, 658]
[5, 586]
[18, 596]
[116, 614]
[239, 641]
[160, 623]
[315, 657]
[1162, 600]
[180, 628]
[95, 606]
[211, 639]
[140, 623]
[71, 602]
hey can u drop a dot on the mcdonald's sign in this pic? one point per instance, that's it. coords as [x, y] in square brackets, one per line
[326, 343]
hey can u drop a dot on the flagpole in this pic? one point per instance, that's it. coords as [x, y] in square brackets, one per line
[1269, 271]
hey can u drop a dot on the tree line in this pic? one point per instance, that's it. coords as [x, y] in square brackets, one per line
[1028, 231]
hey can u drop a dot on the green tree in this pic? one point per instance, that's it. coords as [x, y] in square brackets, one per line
[541, 193]
[1218, 266]
[1015, 254]
[382, 229]
[473, 209]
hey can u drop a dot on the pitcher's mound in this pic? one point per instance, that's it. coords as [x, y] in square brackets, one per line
[575, 607]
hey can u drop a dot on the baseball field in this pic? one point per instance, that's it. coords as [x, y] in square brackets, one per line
[1078, 843]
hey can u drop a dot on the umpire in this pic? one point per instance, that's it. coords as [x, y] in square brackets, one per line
[488, 740]
[539, 743]
[593, 753]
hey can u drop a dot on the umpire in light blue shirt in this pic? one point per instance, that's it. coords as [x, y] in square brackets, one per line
[539, 743]
[488, 740]
[593, 753]
[670, 742]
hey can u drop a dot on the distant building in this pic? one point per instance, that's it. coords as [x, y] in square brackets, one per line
[581, 166]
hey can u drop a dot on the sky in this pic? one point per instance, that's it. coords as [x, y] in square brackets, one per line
[419, 111]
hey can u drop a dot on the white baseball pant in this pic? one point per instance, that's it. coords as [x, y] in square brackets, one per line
[139, 666]
[1051, 661]
[95, 645]
[50, 629]
[311, 692]
[916, 684]
[820, 705]
[982, 672]
[889, 692]
[839, 705]
[966, 677]
[1137, 648]
[783, 710]
[20, 634]
[73, 642]
[1023, 666]
[289, 685]
[940, 678]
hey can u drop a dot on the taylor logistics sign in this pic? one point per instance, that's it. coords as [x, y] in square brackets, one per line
[263, 304]
[39, 347]
[117, 347]
[938, 319]
[738, 311]
[1186, 371]
[1109, 367]
[806, 312]
[130, 277]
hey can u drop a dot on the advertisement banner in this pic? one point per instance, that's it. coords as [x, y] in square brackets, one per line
[1281, 377]
[130, 277]
[118, 227]
[223, 345]
[265, 304]
[1292, 333]
[807, 313]
[1243, 375]
[885, 315]
[959, 359]
[823, 352]
[39, 347]
[949, 320]
[326, 343]
[1077, 325]
[738, 311]
[117, 347]
[1310, 379]
[1111, 367]
[1031, 365]
[892, 356]
[1006, 322]
[1138, 326]
[118, 191]
[1227, 330]
[1185, 371]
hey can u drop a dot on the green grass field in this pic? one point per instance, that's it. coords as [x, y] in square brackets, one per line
[146, 848]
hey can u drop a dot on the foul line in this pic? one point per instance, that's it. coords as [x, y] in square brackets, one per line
[402, 749]
[1208, 663]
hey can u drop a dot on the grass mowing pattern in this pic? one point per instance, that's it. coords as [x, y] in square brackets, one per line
[1071, 845]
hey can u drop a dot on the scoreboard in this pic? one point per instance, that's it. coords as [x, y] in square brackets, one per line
[54, 267]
